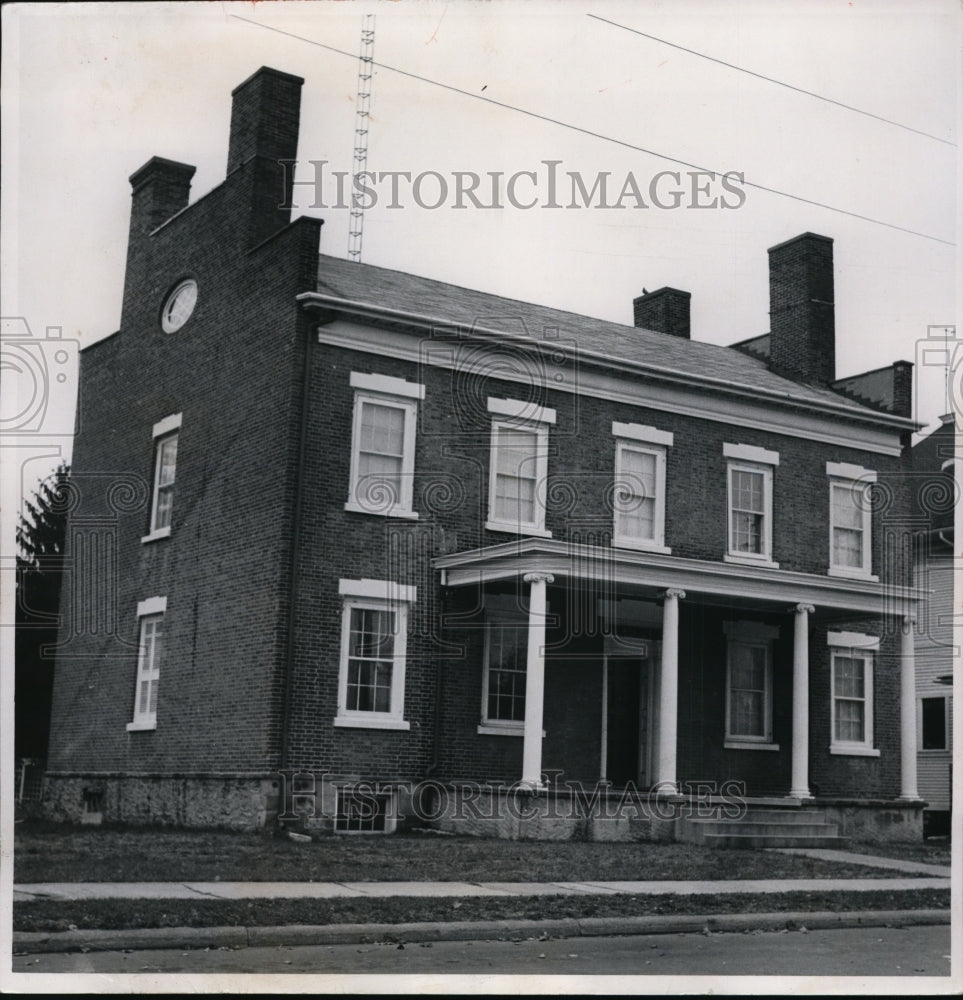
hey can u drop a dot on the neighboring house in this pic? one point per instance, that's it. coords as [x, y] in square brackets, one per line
[935, 496]
[338, 520]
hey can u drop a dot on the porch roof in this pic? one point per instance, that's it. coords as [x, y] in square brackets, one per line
[655, 571]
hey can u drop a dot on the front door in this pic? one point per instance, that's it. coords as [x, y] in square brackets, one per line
[626, 721]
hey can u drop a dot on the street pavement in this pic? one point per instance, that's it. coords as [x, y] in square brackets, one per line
[862, 952]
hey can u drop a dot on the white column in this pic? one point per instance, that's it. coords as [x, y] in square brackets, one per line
[669, 692]
[799, 783]
[907, 711]
[534, 680]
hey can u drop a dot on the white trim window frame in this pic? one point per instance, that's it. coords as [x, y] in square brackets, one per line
[749, 507]
[637, 488]
[374, 640]
[749, 656]
[165, 436]
[150, 658]
[852, 661]
[506, 637]
[518, 469]
[850, 521]
[384, 420]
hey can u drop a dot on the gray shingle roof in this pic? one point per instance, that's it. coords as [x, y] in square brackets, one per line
[466, 307]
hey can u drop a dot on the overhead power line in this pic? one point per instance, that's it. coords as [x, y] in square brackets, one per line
[598, 135]
[769, 79]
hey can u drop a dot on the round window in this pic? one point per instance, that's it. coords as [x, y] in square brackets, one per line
[179, 306]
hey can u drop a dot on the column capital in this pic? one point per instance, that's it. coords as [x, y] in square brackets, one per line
[908, 622]
[674, 592]
[803, 609]
[538, 578]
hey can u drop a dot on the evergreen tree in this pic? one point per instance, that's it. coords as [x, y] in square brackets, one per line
[41, 536]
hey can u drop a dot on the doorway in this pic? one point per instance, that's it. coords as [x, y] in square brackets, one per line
[626, 737]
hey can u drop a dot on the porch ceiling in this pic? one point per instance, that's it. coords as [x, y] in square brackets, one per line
[655, 572]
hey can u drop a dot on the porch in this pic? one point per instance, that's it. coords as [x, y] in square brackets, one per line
[635, 674]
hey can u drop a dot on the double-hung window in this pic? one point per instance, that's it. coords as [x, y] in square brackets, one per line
[383, 445]
[639, 487]
[852, 655]
[374, 638]
[850, 520]
[150, 657]
[165, 467]
[749, 685]
[750, 476]
[519, 466]
[503, 684]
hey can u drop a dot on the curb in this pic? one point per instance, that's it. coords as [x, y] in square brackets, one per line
[30, 942]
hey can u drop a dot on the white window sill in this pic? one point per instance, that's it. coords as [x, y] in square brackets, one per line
[852, 574]
[503, 729]
[747, 560]
[374, 722]
[356, 508]
[517, 529]
[845, 750]
[930, 752]
[641, 545]
[737, 744]
[159, 533]
[141, 727]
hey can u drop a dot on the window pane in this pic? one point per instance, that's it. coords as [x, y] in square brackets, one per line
[846, 512]
[747, 689]
[747, 491]
[507, 645]
[167, 461]
[382, 429]
[746, 532]
[849, 679]
[847, 547]
[515, 452]
[934, 724]
[849, 720]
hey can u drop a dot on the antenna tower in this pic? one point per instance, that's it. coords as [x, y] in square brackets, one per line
[361, 122]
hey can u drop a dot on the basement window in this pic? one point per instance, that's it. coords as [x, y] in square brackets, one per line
[362, 810]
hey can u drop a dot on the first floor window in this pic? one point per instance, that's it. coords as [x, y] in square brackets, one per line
[852, 691]
[150, 658]
[933, 724]
[506, 654]
[374, 629]
[749, 682]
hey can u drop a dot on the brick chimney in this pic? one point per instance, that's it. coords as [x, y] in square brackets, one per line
[665, 310]
[160, 189]
[264, 131]
[801, 314]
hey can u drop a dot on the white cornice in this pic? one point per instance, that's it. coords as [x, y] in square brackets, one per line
[654, 571]
[758, 409]
[367, 310]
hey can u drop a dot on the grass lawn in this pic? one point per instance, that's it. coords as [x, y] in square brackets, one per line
[57, 915]
[47, 852]
[931, 852]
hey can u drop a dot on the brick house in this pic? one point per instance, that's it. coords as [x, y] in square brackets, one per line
[336, 525]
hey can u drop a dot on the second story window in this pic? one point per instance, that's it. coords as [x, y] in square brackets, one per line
[519, 466]
[639, 488]
[750, 475]
[850, 520]
[383, 445]
[165, 469]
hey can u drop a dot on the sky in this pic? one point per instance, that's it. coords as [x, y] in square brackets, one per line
[93, 91]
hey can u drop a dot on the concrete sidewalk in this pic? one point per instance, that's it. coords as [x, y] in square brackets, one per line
[356, 890]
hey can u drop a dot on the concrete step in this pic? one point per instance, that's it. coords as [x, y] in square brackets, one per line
[759, 840]
[787, 816]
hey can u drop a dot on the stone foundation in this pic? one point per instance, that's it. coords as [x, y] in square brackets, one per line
[234, 801]
[875, 821]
